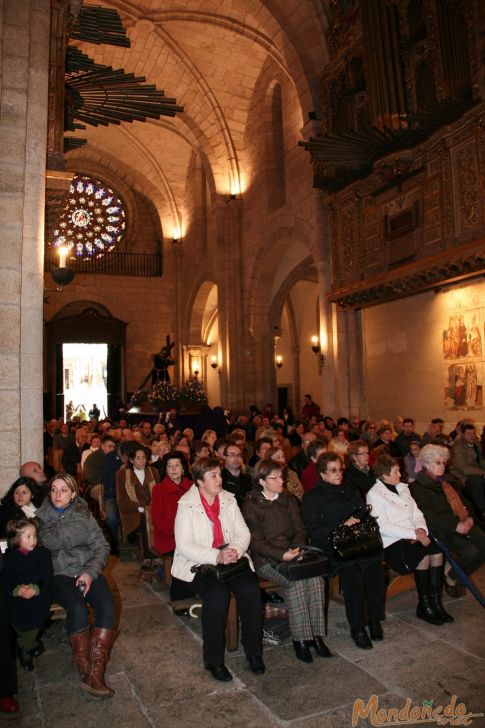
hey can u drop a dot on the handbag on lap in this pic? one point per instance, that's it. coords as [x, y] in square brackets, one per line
[310, 562]
[357, 541]
[222, 572]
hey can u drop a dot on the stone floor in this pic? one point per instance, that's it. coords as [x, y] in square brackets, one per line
[157, 673]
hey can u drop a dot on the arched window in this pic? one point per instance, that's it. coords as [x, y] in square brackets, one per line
[93, 221]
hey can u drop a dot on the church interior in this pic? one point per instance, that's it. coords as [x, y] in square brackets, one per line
[293, 192]
[294, 180]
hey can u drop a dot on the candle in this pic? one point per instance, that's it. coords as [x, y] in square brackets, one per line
[62, 257]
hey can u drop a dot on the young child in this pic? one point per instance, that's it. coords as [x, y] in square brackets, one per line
[26, 580]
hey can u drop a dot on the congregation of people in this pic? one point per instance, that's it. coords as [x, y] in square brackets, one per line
[241, 497]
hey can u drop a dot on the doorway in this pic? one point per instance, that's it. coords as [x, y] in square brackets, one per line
[85, 372]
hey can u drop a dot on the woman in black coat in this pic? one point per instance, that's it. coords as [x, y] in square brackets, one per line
[362, 580]
[20, 501]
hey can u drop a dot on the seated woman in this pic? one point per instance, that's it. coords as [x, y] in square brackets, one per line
[412, 463]
[274, 520]
[291, 481]
[210, 529]
[339, 443]
[209, 437]
[20, 501]
[385, 438]
[165, 498]
[134, 484]
[361, 579]
[447, 514]
[79, 555]
[407, 547]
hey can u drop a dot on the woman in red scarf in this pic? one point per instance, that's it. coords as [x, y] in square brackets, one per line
[210, 529]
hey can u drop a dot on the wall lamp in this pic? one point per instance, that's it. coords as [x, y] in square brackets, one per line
[279, 361]
[62, 275]
[317, 350]
[215, 364]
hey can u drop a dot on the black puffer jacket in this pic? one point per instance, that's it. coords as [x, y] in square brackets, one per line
[75, 540]
[275, 525]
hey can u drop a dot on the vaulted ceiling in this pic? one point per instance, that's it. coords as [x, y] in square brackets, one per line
[208, 55]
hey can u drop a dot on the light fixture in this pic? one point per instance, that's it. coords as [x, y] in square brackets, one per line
[61, 275]
[214, 362]
[279, 361]
[317, 350]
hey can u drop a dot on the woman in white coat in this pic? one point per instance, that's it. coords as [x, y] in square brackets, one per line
[407, 546]
[210, 529]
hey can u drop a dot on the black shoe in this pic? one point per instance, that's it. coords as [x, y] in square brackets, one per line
[361, 639]
[319, 646]
[257, 665]
[455, 590]
[437, 579]
[25, 659]
[375, 631]
[302, 651]
[39, 649]
[274, 598]
[219, 672]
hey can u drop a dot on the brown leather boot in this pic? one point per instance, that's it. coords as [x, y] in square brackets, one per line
[81, 647]
[102, 640]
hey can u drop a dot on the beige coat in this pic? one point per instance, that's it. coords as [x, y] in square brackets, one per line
[194, 536]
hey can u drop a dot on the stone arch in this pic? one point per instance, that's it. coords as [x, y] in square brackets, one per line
[266, 262]
[199, 315]
[84, 321]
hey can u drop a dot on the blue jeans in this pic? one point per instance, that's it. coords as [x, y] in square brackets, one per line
[99, 597]
[112, 519]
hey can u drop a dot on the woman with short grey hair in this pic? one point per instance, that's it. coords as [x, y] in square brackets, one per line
[447, 513]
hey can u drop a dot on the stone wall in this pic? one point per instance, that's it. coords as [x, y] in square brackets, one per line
[24, 49]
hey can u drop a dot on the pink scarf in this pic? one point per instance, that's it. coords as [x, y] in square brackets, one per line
[213, 515]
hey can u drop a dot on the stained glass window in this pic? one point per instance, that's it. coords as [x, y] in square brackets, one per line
[93, 221]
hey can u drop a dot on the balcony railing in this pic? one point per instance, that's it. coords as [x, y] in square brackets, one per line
[143, 265]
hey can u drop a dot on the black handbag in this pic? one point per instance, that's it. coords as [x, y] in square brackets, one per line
[310, 562]
[222, 572]
[359, 541]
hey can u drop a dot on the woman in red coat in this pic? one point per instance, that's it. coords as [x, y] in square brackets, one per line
[165, 498]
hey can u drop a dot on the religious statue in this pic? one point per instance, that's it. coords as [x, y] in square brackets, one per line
[162, 361]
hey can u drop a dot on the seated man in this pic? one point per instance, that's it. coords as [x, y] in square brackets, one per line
[406, 436]
[35, 471]
[302, 459]
[468, 464]
[233, 478]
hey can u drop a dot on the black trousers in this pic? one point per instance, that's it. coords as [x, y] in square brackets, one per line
[99, 597]
[363, 590]
[215, 603]
[475, 491]
[8, 673]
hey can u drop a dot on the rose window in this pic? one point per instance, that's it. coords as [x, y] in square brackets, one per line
[93, 221]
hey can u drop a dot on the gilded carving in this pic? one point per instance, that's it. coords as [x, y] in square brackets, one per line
[447, 194]
[347, 238]
[468, 190]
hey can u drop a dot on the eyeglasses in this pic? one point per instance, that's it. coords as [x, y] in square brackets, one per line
[233, 454]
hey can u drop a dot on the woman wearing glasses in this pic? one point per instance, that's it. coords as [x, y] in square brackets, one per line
[274, 519]
[447, 514]
[362, 579]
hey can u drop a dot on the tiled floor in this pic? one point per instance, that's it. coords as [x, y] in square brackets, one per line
[157, 672]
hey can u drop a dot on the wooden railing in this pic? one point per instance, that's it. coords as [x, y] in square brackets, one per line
[145, 265]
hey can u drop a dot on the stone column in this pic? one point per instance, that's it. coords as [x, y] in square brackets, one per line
[24, 64]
